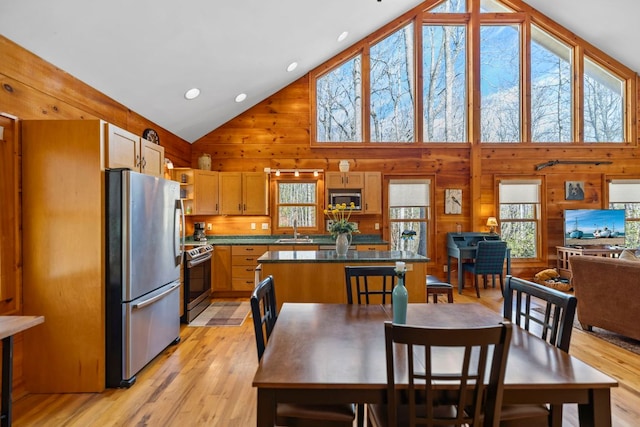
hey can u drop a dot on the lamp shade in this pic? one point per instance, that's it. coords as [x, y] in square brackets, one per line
[492, 222]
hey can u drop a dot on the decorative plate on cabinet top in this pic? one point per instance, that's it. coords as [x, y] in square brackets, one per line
[151, 135]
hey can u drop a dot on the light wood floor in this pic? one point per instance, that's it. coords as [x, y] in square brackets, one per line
[205, 380]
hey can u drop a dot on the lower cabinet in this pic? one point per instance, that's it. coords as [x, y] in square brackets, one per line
[244, 260]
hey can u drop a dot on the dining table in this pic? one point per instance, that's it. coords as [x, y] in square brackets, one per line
[335, 353]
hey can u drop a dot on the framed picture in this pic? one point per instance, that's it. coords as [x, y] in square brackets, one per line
[574, 190]
[453, 201]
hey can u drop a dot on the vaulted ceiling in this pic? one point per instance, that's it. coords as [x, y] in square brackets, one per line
[146, 54]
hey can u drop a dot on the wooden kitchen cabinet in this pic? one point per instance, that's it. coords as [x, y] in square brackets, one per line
[243, 266]
[365, 247]
[344, 180]
[244, 193]
[127, 150]
[200, 190]
[64, 275]
[372, 193]
[221, 271]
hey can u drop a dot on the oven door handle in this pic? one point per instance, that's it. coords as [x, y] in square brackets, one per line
[197, 261]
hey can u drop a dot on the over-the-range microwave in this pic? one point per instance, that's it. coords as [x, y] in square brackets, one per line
[346, 196]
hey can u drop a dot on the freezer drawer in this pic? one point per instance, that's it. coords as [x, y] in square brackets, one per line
[151, 323]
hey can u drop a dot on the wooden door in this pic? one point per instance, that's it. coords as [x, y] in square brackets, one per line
[206, 192]
[255, 193]
[123, 149]
[152, 162]
[230, 191]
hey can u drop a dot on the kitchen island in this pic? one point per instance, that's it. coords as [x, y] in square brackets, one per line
[318, 276]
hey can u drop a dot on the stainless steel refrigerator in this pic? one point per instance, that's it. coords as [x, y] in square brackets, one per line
[143, 233]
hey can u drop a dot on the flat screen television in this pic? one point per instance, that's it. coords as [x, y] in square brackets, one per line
[594, 227]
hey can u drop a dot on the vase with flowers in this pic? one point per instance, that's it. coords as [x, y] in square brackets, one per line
[341, 229]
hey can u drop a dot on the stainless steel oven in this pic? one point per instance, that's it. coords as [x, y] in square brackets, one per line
[197, 281]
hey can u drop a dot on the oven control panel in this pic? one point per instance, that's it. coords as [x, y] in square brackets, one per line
[199, 251]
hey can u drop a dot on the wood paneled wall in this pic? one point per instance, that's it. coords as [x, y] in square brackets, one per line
[275, 133]
[31, 88]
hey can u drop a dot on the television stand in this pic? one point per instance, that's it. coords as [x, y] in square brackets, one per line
[564, 252]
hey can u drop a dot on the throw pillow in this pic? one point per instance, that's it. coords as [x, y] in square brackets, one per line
[630, 255]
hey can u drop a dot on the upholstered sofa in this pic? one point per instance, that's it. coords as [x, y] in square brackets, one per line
[608, 293]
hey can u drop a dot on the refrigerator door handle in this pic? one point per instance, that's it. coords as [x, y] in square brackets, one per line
[179, 231]
[153, 299]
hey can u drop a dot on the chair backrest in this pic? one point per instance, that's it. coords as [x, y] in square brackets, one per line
[263, 312]
[370, 280]
[490, 257]
[554, 319]
[458, 366]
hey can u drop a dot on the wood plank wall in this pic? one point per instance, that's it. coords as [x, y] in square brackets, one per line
[275, 133]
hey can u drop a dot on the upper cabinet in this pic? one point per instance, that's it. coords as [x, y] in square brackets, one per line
[127, 150]
[198, 190]
[244, 193]
[372, 194]
[344, 180]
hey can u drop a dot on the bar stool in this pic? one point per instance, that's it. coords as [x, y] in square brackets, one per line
[437, 287]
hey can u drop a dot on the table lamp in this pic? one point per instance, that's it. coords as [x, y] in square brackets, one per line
[492, 223]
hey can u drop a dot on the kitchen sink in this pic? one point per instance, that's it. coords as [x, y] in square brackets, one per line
[295, 240]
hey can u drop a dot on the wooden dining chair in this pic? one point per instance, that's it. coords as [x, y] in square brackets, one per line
[549, 314]
[489, 260]
[263, 312]
[452, 393]
[370, 280]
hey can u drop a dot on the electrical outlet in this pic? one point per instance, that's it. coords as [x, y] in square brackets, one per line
[376, 226]
[209, 226]
[265, 225]
[445, 268]
[253, 225]
[408, 267]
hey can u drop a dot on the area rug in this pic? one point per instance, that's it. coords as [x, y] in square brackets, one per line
[611, 337]
[223, 313]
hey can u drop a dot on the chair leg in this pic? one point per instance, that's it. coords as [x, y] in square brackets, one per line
[501, 285]
[360, 412]
[450, 296]
[475, 282]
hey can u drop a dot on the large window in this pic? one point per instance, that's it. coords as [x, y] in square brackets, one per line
[435, 79]
[339, 103]
[409, 214]
[603, 104]
[500, 83]
[392, 88]
[445, 97]
[625, 194]
[297, 201]
[551, 89]
[519, 216]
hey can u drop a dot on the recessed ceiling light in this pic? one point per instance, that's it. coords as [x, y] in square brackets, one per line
[192, 93]
[343, 36]
[241, 97]
[292, 66]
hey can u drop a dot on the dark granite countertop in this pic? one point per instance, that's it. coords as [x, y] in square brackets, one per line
[319, 239]
[332, 256]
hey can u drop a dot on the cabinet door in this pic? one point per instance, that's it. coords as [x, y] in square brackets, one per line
[255, 193]
[334, 180]
[344, 180]
[123, 149]
[372, 193]
[230, 193]
[221, 270]
[206, 192]
[152, 162]
[354, 180]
